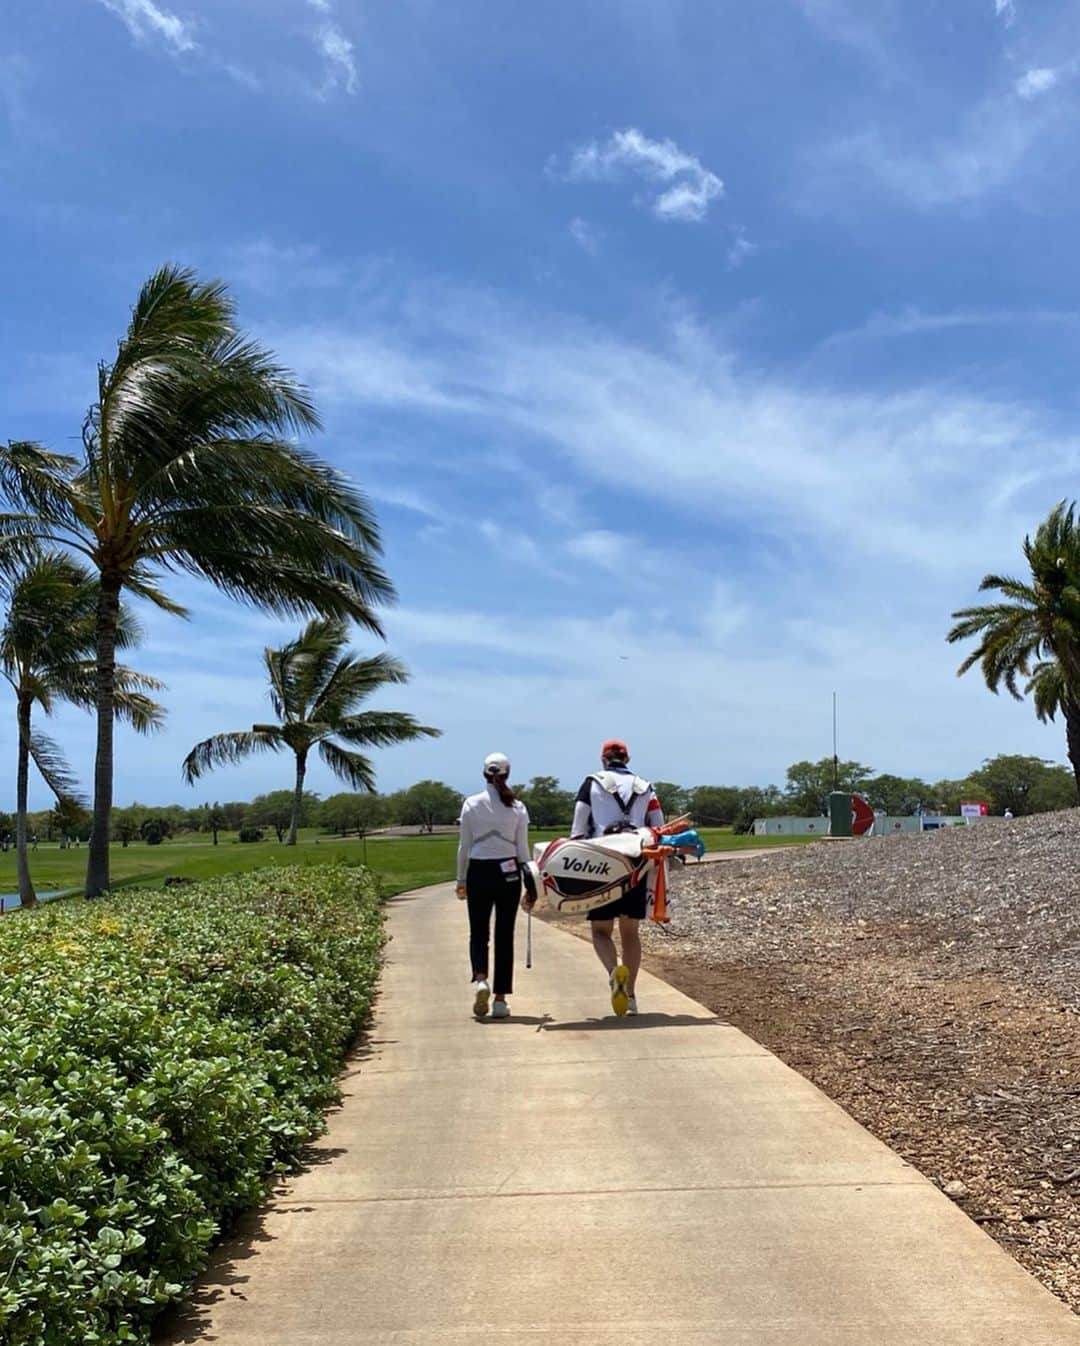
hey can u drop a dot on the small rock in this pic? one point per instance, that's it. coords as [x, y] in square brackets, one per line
[956, 1189]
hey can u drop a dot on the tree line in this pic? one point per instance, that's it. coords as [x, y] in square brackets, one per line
[1018, 783]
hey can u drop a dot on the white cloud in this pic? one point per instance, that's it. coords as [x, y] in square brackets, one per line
[741, 250]
[405, 497]
[1035, 82]
[1006, 11]
[996, 141]
[609, 550]
[867, 29]
[844, 523]
[585, 235]
[914, 322]
[338, 52]
[692, 187]
[684, 422]
[145, 19]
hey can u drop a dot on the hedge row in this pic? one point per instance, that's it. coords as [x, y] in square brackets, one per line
[160, 1055]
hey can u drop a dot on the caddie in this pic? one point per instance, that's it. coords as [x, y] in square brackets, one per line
[614, 800]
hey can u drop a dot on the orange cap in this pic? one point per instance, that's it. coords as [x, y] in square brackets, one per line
[615, 747]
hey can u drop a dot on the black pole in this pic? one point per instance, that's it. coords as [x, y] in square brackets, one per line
[835, 756]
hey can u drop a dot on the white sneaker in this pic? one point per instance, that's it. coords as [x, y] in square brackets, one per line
[500, 1010]
[483, 995]
[631, 1004]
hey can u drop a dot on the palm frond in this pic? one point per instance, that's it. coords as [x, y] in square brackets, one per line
[353, 680]
[351, 767]
[40, 480]
[226, 750]
[54, 769]
[1048, 686]
[277, 583]
[315, 657]
[1030, 644]
[143, 713]
[380, 728]
[142, 584]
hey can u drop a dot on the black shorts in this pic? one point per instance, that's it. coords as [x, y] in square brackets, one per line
[633, 903]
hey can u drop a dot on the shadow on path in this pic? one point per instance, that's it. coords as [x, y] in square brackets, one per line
[636, 1022]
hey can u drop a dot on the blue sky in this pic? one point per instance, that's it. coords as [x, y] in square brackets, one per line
[699, 359]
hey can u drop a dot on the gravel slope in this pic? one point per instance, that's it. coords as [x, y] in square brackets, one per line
[928, 983]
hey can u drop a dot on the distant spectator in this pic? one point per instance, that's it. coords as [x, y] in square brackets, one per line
[1008, 813]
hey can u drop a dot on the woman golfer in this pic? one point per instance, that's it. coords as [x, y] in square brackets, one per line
[493, 846]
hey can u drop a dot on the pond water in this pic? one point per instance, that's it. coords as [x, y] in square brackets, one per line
[9, 901]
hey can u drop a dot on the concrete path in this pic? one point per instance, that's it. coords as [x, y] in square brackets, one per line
[569, 1179]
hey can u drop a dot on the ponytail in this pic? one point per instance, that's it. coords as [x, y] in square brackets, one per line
[499, 781]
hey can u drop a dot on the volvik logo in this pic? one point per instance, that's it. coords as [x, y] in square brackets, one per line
[571, 866]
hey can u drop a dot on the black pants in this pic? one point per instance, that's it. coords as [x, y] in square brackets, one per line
[489, 888]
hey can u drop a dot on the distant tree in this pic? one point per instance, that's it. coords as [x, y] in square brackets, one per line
[809, 784]
[213, 820]
[673, 798]
[896, 795]
[352, 812]
[155, 830]
[233, 813]
[548, 805]
[277, 808]
[712, 805]
[125, 827]
[394, 808]
[1024, 784]
[431, 804]
[756, 802]
[39, 824]
[316, 686]
[1033, 638]
[70, 820]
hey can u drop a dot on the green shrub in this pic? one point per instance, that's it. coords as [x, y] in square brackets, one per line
[250, 834]
[161, 1054]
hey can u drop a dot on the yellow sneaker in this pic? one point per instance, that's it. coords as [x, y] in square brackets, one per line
[480, 1003]
[620, 996]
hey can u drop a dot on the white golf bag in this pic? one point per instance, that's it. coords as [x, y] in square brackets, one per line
[579, 875]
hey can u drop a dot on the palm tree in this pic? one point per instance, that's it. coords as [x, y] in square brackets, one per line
[1035, 634]
[316, 685]
[186, 467]
[47, 655]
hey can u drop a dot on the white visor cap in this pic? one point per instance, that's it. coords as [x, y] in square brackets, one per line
[496, 764]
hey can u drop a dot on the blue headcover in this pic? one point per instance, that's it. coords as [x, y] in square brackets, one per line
[688, 840]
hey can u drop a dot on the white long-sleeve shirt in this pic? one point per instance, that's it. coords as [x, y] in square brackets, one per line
[491, 831]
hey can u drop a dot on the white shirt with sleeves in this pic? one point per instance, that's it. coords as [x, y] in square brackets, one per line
[491, 831]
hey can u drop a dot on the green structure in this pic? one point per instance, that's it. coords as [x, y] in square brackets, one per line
[840, 814]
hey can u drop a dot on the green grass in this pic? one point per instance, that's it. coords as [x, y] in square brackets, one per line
[400, 862]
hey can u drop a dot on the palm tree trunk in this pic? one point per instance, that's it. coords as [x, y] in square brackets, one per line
[97, 867]
[1072, 737]
[27, 896]
[298, 797]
